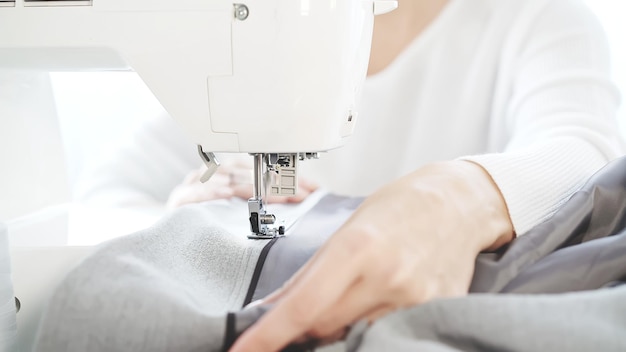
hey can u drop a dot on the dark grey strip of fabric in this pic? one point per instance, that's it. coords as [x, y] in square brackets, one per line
[290, 253]
[230, 335]
[590, 265]
[565, 243]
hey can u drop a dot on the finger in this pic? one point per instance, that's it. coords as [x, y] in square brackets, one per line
[318, 290]
[217, 179]
[379, 313]
[277, 199]
[189, 197]
[361, 300]
[306, 342]
[235, 175]
[308, 185]
[299, 197]
[294, 280]
[234, 169]
[212, 193]
[334, 337]
[225, 172]
[199, 193]
[193, 176]
[323, 337]
[241, 176]
[243, 191]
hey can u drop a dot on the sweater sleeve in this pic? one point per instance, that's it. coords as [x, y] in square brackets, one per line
[560, 115]
[140, 172]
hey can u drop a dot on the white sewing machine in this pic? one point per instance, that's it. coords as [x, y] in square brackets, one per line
[277, 79]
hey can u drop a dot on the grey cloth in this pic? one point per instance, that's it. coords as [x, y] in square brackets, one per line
[572, 322]
[575, 322]
[170, 287]
[581, 247]
[167, 288]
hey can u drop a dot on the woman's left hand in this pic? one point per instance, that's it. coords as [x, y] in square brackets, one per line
[412, 241]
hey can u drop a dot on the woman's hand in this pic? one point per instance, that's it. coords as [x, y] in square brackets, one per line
[412, 241]
[231, 180]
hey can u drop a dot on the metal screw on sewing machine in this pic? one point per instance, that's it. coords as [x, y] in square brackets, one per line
[267, 219]
[241, 12]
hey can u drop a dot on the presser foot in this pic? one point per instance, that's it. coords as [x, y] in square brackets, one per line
[278, 173]
[262, 224]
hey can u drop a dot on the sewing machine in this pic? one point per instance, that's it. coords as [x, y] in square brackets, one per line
[277, 79]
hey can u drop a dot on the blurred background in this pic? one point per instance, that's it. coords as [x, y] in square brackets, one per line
[611, 14]
[65, 131]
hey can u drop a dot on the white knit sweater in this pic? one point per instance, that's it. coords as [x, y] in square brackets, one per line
[520, 87]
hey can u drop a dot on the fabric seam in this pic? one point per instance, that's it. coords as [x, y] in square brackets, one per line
[257, 271]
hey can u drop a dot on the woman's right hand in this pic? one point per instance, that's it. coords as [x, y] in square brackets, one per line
[232, 179]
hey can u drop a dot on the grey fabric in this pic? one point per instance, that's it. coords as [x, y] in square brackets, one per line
[591, 265]
[576, 322]
[170, 287]
[167, 288]
[539, 259]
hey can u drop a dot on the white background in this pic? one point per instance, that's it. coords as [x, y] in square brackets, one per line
[612, 14]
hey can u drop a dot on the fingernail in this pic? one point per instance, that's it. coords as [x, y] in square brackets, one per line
[224, 192]
[258, 302]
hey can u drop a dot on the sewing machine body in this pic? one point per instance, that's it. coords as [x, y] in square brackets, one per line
[279, 79]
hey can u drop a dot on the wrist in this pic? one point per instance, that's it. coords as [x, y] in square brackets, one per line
[470, 198]
[489, 206]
